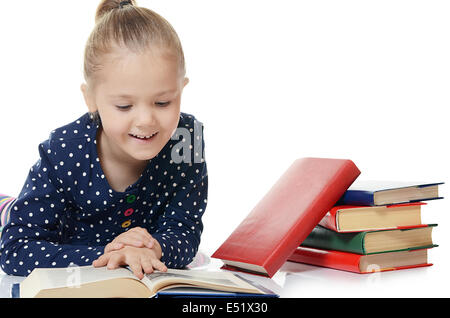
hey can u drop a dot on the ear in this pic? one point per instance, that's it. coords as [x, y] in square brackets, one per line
[185, 81]
[88, 98]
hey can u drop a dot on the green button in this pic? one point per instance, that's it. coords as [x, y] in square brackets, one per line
[131, 198]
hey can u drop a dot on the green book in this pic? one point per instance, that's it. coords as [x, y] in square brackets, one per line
[371, 242]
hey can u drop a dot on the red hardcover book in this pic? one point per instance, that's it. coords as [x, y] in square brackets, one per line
[285, 216]
[362, 264]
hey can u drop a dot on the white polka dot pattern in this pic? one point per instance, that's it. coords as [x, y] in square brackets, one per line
[66, 211]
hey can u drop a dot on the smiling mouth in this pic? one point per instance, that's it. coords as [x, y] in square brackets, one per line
[143, 137]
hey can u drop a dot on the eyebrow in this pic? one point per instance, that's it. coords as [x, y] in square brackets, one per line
[130, 96]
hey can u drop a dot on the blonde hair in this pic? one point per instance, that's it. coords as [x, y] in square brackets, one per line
[124, 24]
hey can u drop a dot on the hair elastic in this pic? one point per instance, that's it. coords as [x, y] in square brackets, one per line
[124, 3]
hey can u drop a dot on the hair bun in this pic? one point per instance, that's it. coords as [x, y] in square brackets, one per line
[106, 6]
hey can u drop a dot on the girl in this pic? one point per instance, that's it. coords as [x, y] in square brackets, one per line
[106, 189]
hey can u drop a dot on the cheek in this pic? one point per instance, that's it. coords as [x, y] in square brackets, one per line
[170, 120]
[113, 122]
[114, 129]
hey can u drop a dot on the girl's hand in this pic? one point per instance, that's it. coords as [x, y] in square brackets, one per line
[137, 237]
[140, 259]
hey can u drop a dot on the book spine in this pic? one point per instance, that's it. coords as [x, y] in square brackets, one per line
[357, 197]
[324, 238]
[337, 260]
[331, 259]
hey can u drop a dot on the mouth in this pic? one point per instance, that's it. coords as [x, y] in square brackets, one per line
[143, 137]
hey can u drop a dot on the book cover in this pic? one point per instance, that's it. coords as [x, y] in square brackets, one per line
[285, 216]
[184, 293]
[371, 242]
[187, 292]
[365, 192]
[362, 264]
[100, 282]
[358, 218]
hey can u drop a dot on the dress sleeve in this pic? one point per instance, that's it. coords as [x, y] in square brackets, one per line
[34, 237]
[180, 227]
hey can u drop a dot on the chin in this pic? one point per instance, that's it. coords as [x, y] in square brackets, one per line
[144, 157]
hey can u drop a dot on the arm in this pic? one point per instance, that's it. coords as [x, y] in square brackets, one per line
[179, 229]
[34, 237]
[176, 239]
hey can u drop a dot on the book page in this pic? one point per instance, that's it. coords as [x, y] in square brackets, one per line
[51, 278]
[224, 281]
[72, 277]
[380, 185]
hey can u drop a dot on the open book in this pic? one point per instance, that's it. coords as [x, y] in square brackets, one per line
[92, 282]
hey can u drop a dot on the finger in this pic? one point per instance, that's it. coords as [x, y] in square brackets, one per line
[114, 261]
[118, 246]
[136, 268]
[147, 265]
[159, 265]
[131, 241]
[135, 238]
[113, 246]
[101, 261]
[108, 248]
[150, 243]
[129, 238]
[145, 236]
[139, 229]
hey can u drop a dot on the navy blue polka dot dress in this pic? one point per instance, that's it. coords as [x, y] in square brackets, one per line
[66, 212]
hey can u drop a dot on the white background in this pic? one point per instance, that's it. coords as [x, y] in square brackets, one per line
[272, 81]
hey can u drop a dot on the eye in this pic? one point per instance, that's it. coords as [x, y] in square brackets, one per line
[162, 104]
[123, 107]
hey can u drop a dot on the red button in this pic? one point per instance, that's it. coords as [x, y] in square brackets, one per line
[128, 212]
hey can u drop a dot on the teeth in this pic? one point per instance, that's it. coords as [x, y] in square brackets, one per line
[143, 137]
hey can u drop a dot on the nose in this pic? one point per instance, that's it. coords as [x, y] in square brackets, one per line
[145, 117]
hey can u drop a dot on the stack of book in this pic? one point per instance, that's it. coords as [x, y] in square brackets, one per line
[375, 226]
[319, 213]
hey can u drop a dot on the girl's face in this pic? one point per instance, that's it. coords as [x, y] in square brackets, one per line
[138, 99]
